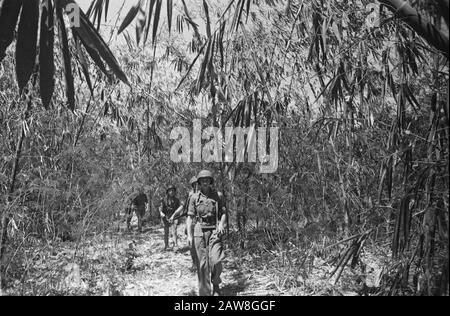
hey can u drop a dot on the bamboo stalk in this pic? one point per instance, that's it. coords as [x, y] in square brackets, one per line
[5, 214]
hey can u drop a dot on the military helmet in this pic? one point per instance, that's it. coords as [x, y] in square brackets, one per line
[193, 180]
[171, 187]
[205, 174]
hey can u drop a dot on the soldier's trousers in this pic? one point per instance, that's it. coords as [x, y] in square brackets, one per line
[210, 255]
[140, 212]
[192, 249]
[170, 228]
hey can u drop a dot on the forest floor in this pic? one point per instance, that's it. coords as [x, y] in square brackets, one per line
[131, 264]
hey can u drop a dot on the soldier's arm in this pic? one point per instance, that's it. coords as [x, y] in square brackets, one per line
[147, 204]
[161, 210]
[190, 219]
[178, 211]
[189, 228]
[222, 213]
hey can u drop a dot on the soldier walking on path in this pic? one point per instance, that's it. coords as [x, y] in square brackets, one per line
[182, 211]
[207, 210]
[138, 204]
[167, 207]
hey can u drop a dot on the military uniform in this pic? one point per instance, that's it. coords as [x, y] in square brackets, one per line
[207, 211]
[137, 206]
[169, 206]
[192, 247]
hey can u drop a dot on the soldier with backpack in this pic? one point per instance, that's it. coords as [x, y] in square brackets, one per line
[207, 216]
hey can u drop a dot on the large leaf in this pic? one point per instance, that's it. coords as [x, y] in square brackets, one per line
[27, 42]
[9, 14]
[95, 45]
[70, 88]
[131, 15]
[46, 57]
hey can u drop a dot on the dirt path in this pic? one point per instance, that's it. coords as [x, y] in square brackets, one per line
[106, 265]
[159, 272]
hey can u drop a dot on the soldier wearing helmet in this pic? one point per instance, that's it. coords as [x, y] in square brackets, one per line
[207, 216]
[167, 207]
[181, 212]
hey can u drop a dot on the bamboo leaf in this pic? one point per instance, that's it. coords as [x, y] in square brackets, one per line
[9, 15]
[230, 115]
[156, 20]
[226, 10]
[411, 98]
[46, 57]
[27, 42]
[90, 10]
[169, 14]
[106, 10]
[248, 8]
[220, 41]
[191, 66]
[99, 13]
[240, 109]
[243, 113]
[208, 20]
[96, 58]
[84, 65]
[150, 6]
[93, 42]
[131, 15]
[324, 39]
[190, 21]
[389, 172]
[336, 31]
[140, 25]
[203, 66]
[238, 13]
